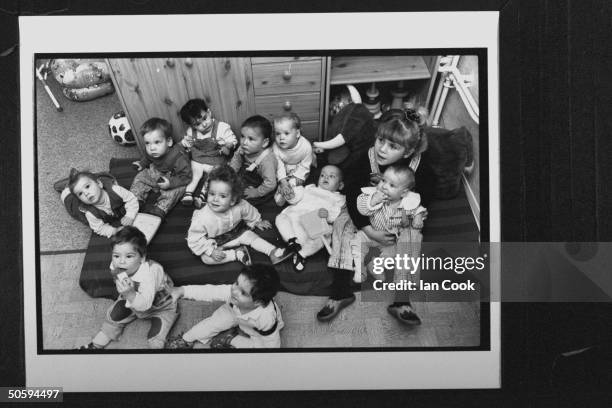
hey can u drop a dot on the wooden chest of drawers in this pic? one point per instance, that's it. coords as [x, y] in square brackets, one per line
[290, 84]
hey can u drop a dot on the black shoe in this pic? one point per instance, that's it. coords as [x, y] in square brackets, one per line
[298, 262]
[293, 246]
[407, 317]
[90, 346]
[333, 307]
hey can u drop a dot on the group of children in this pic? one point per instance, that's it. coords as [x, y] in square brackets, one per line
[237, 177]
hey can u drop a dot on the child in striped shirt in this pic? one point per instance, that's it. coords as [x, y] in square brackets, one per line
[393, 207]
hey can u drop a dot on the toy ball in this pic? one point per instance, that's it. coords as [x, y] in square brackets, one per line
[120, 130]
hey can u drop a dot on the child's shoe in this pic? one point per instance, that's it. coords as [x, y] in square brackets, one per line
[404, 314]
[90, 346]
[278, 255]
[200, 200]
[187, 199]
[298, 262]
[223, 340]
[293, 246]
[178, 342]
[243, 256]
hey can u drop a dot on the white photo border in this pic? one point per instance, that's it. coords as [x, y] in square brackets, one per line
[270, 371]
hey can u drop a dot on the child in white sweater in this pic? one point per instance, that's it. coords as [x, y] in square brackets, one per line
[294, 155]
[221, 231]
[249, 318]
[144, 292]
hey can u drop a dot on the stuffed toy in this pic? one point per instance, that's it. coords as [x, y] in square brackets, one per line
[82, 79]
[448, 153]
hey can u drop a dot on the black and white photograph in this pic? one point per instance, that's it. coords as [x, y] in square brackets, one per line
[209, 205]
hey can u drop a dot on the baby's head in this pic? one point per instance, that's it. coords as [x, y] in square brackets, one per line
[330, 178]
[157, 136]
[255, 286]
[225, 188]
[256, 134]
[85, 186]
[287, 130]
[400, 135]
[196, 114]
[129, 246]
[398, 180]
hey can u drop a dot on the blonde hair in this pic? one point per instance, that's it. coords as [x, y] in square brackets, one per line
[291, 117]
[404, 127]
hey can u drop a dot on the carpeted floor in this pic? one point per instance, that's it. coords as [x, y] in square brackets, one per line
[77, 137]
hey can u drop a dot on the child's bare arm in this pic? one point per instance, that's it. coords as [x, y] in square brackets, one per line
[333, 143]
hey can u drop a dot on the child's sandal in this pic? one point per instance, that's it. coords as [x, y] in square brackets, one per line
[243, 256]
[223, 340]
[187, 199]
[178, 342]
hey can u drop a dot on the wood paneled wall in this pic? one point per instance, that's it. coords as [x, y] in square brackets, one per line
[159, 87]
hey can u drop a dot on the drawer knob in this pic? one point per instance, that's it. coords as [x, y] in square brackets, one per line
[287, 105]
[287, 73]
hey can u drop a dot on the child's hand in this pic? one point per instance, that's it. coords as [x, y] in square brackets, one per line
[124, 286]
[287, 191]
[323, 213]
[218, 255]
[250, 192]
[263, 225]
[377, 198]
[127, 220]
[136, 164]
[225, 150]
[163, 183]
[177, 293]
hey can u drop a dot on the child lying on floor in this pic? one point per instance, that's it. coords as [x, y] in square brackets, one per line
[323, 198]
[144, 292]
[105, 205]
[249, 318]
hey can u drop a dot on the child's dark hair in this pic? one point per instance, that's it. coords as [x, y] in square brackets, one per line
[404, 127]
[226, 174]
[261, 123]
[76, 175]
[406, 170]
[157, 124]
[132, 235]
[292, 117]
[265, 281]
[192, 110]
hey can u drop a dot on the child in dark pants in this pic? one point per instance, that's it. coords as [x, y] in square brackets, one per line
[144, 292]
[165, 168]
[254, 161]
